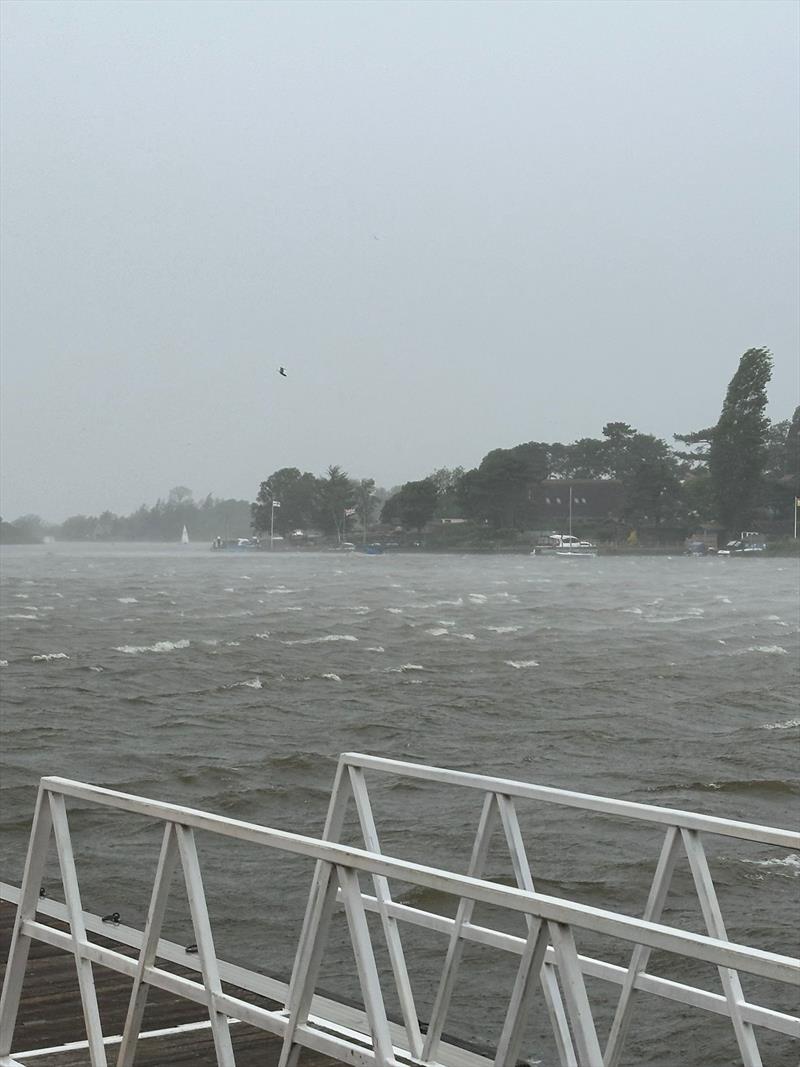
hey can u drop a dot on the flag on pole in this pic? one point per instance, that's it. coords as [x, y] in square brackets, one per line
[349, 511]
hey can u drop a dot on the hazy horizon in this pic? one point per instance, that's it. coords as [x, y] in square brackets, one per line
[458, 226]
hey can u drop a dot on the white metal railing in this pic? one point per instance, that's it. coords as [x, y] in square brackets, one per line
[548, 959]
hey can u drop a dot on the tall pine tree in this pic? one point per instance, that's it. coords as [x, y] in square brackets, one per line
[738, 451]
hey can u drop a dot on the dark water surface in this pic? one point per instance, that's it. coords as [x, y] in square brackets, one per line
[231, 682]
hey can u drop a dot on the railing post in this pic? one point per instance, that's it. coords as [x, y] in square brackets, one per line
[167, 861]
[530, 967]
[316, 924]
[220, 1029]
[580, 1012]
[641, 954]
[365, 965]
[392, 934]
[704, 884]
[72, 898]
[524, 878]
[21, 943]
[455, 947]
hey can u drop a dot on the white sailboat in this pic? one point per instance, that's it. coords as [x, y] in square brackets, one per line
[565, 544]
[185, 537]
[574, 547]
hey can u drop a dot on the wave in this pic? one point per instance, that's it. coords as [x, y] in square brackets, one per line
[333, 677]
[159, 646]
[321, 640]
[48, 656]
[750, 785]
[253, 683]
[790, 864]
[503, 629]
[375, 648]
[29, 618]
[780, 725]
[3, 662]
[767, 650]
[519, 664]
[405, 667]
[127, 600]
[437, 631]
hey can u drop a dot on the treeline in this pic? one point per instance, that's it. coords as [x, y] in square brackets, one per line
[738, 474]
[743, 471]
[204, 520]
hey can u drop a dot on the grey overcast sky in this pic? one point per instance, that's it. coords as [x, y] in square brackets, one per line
[459, 226]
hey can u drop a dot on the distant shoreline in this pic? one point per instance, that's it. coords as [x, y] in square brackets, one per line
[786, 549]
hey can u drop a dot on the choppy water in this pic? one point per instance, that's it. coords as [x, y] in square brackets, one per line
[232, 682]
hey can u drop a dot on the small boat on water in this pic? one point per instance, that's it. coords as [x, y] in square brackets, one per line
[563, 545]
[236, 544]
[185, 537]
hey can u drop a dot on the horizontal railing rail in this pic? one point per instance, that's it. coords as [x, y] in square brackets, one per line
[547, 958]
[626, 809]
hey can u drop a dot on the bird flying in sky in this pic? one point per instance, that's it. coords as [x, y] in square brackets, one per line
[282, 372]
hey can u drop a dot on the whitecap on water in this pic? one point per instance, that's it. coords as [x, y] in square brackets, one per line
[788, 865]
[332, 677]
[478, 598]
[519, 664]
[375, 648]
[3, 662]
[321, 640]
[28, 618]
[405, 667]
[395, 611]
[159, 646]
[46, 657]
[127, 600]
[252, 683]
[466, 637]
[437, 631]
[767, 650]
[503, 629]
[262, 637]
[788, 725]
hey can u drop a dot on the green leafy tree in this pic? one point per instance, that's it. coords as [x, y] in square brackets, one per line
[336, 493]
[651, 481]
[416, 503]
[738, 452]
[297, 495]
[791, 453]
[588, 458]
[446, 481]
[499, 490]
[367, 502]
